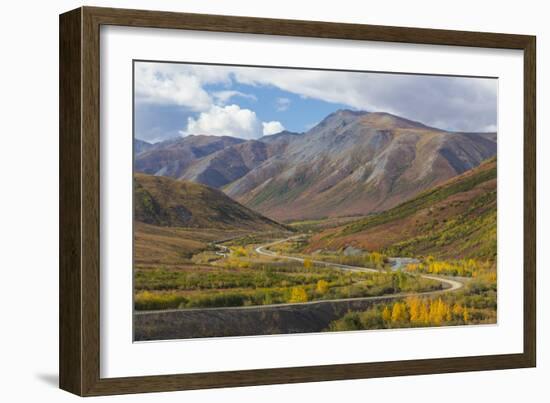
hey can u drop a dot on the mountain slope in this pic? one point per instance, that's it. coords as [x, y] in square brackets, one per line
[172, 157]
[229, 164]
[355, 163]
[235, 161]
[163, 201]
[454, 220]
[141, 146]
[282, 137]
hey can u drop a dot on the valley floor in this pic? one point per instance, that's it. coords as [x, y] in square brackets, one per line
[265, 283]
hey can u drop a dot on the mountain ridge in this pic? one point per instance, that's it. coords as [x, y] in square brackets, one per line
[171, 157]
[357, 164]
[351, 163]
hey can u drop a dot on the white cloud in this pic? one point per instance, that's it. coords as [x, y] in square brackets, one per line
[222, 97]
[160, 86]
[282, 104]
[452, 103]
[228, 120]
[272, 127]
[183, 85]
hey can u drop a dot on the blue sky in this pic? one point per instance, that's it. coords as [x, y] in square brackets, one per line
[295, 112]
[179, 99]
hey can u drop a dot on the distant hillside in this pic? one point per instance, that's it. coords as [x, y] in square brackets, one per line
[284, 136]
[167, 202]
[454, 220]
[141, 146]
[235, 161]
[210, 160]
[172, 157]
[229, 164]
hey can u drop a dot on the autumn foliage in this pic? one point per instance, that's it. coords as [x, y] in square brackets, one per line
[308, 264]
[322, 287]
[476, 303]
[298, 294]
[461, 268]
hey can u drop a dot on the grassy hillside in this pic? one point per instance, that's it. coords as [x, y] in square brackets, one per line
[175, 220]
[155, 245]
[454, 220]
[166, 202]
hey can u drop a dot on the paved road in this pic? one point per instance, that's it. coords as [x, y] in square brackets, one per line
[453, 285]
[262, 251]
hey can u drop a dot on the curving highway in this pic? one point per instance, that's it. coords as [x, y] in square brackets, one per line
[453, 285]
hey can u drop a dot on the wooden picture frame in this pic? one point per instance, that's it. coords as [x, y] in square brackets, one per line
[79, 346]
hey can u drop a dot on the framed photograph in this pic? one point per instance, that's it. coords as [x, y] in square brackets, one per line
[250, 201]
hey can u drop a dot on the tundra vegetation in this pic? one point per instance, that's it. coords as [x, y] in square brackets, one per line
[243, 280]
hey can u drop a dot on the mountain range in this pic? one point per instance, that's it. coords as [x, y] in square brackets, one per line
[351, 163]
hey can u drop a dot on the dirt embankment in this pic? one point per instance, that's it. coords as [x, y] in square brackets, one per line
[219, 322]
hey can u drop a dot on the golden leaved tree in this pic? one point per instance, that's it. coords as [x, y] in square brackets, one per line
[399, 312]
[386, 314]
[298, 294]
[322, 286]
[415, 309]
[466, 315]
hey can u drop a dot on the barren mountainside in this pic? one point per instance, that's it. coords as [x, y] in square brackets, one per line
[357, 163]
[172, 157]
[229, 164]
[141, 146]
